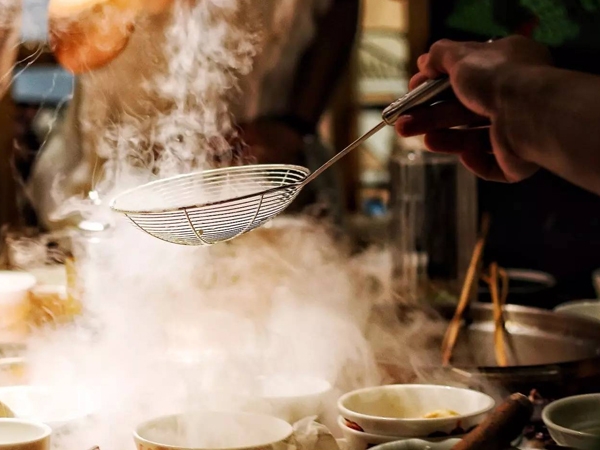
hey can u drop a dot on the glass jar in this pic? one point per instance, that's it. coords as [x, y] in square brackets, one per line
[434, 222]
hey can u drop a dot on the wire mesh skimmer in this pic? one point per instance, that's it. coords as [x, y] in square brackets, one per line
[217, 205]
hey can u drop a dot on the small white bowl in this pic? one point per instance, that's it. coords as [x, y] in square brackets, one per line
[574, 421]
[53, 407]
[290, 398]
[398, 410]
[14, 296]
[216, 430]
[581, 308]
[16, 434]
[359, 440]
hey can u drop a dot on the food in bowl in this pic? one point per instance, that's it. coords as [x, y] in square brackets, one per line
[399, 410]
[574, 421]
[440, 413]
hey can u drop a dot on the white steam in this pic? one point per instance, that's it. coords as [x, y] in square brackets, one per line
[170, 329]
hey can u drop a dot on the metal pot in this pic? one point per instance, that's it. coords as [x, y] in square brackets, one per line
[551, 353]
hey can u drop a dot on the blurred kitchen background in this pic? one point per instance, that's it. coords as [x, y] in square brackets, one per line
[425, 206]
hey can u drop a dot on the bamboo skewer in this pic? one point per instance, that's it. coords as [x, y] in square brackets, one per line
[497, 302]
[454, 327]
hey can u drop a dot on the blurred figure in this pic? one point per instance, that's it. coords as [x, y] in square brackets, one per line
[10, 29]
[305, 46]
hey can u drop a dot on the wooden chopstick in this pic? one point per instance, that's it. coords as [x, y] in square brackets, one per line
[499, 347]
[454, 327]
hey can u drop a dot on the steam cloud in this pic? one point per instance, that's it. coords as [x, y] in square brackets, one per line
[170, 329]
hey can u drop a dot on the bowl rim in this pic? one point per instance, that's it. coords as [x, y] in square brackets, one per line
[342, 409]
[164, 446]
[46, 429]
[564, 307]
[323, 385]
[557, 404]
[390, 445]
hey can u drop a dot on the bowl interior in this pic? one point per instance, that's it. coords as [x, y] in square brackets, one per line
[415, 401]
[18, 431]
[580, 414]
[214, 430]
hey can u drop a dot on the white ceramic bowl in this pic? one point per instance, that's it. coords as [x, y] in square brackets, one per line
[582, 308]
[398, 410]
[418, 444]
[216, 430]
[53, 407]
[574, 421]
[16, 434]
[14, 296]
[359, 440]
[290, 398]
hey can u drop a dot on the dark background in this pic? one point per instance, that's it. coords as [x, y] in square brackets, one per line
[543, 223]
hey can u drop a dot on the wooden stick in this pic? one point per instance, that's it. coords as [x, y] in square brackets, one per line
[454, 326]
[505, 280]
[499, 348]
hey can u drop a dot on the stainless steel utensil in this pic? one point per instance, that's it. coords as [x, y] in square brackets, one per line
[212, 206]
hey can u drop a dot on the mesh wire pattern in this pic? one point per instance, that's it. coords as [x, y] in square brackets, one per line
[204, 208]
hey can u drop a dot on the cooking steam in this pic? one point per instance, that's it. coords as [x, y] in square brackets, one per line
[170, 329]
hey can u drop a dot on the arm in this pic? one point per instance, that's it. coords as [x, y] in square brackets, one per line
[280, 139]
[540, 116]
[551, 117]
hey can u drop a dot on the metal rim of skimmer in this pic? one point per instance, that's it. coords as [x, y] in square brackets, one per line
[217, 219]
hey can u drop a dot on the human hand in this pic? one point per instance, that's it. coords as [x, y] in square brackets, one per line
[477, 72]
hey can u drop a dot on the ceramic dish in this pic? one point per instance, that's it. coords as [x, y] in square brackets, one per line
[358, 440]
[16, 434]
[290, 398]
[581, 308]
[574, 421]
[217, 430]
[399, 410]
[418, 444]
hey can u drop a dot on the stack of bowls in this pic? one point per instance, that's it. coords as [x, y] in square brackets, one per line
[378, 415]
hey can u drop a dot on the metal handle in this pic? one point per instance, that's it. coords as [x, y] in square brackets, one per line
[421, 94]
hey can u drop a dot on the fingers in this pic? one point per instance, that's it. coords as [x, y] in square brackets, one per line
[458, 141]
[416, 81]
[474, 148]
[443, 115]
[442, 57]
